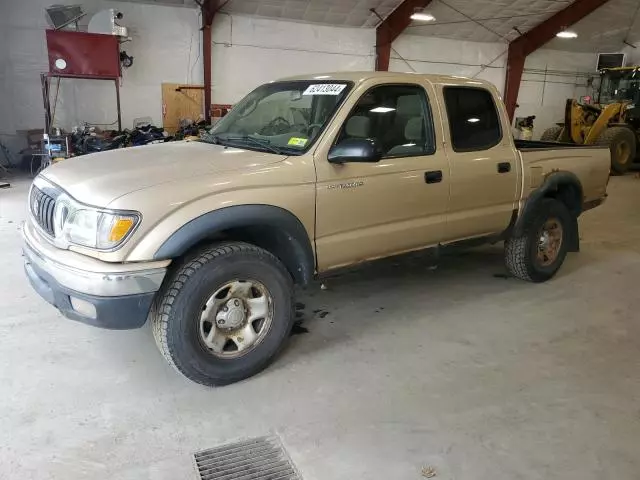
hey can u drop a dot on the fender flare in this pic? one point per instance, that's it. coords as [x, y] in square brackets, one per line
[552, 183]
[280, 231]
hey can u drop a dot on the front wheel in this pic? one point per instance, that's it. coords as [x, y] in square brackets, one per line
[538, 254]
[622, 145]
[224, 314]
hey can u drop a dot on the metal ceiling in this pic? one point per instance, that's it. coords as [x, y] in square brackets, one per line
[470, 20]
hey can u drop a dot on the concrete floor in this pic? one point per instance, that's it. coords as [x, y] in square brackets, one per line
[478, 376]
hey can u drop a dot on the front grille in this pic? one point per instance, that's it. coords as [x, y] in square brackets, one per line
[42, 206]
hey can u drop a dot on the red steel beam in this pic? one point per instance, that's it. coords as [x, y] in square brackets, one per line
[206, 59]
[535, 38]
[391, 27]
[209, 9]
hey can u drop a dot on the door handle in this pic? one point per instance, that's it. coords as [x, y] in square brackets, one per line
[434, 176]
[504, 167]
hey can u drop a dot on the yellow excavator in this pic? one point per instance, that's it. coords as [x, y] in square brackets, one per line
[613, 121]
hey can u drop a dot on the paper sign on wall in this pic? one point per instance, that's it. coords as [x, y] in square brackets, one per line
[324, 89]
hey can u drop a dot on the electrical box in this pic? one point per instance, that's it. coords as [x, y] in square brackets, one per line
[80, 54]
[106, 21]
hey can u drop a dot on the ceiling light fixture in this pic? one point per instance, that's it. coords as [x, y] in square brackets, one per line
[422, 17]
[567, 34]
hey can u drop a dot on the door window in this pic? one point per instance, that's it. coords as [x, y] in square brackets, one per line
[473, 118]
[398, 117]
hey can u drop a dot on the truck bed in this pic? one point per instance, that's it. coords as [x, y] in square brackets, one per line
[589, 163]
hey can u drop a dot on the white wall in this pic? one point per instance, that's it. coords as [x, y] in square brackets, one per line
[545, 94]
[165, 46]
[632, 54]
[542, 95]
[449, 57]
[246, 52]
[250, 51]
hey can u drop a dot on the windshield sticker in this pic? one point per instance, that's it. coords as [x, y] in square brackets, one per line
[297, 142]
[325, 89]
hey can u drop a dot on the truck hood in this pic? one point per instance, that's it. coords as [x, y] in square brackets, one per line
[100, 178]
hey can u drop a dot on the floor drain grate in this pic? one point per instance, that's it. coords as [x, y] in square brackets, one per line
[261, 458]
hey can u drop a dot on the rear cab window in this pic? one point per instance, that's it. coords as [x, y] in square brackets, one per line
[474, 123]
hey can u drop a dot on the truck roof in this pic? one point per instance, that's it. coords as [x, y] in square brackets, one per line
[362, 76]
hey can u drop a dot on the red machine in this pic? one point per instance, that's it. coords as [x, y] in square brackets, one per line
[90, 56]
[84, 55]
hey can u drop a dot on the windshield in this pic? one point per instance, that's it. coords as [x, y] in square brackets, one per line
[620, 85]
[280, 117]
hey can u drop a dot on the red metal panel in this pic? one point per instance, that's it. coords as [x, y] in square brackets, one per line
[209, 9]
[515, 67]
[536, 38]
[206, 58]
[392, 27]
[88, 55]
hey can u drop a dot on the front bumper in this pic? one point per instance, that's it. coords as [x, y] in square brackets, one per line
[107, 295]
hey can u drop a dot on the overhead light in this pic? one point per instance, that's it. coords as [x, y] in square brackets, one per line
[473, 120]
[567, 34]
[382, 110]
[423, 17]
[321, 77]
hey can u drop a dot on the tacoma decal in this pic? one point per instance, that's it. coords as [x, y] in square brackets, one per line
[346, 185]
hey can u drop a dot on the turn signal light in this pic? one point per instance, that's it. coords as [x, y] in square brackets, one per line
[120, 228]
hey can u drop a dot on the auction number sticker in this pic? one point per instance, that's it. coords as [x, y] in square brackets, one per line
[325, 89]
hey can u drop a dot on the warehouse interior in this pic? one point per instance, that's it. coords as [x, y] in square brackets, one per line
[422, 365]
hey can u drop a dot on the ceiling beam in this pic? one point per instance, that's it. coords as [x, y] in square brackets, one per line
[391, 27]
[535, 38]
[209, 9]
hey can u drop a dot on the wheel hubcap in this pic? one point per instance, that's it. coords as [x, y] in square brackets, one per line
[549, 242]
[236, 318]
[232, 314]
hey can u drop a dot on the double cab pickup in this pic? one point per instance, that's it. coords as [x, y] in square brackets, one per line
[205, 240]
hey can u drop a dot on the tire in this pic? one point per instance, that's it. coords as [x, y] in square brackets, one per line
[622, 144]
[551, 134]
[179, 309]
[521, 253]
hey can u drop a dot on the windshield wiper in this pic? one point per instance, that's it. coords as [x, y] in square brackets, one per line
[217, 139]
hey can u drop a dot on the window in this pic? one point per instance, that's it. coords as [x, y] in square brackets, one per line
[283, 117]
[473, 119]
[397, 117]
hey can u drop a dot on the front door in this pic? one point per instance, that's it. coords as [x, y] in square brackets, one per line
[371, 210]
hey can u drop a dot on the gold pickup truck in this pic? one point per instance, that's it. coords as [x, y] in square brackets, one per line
[206, 239]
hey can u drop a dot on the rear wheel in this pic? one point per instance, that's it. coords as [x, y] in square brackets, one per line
[224, 314]
[551, 134]
[622, 144]
[538, 254]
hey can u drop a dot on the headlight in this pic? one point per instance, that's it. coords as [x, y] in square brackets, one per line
[91, 227]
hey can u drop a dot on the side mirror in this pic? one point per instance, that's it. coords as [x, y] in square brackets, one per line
[364, 150]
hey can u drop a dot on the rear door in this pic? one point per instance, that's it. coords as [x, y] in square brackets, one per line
[371, 210]
[485, 170]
